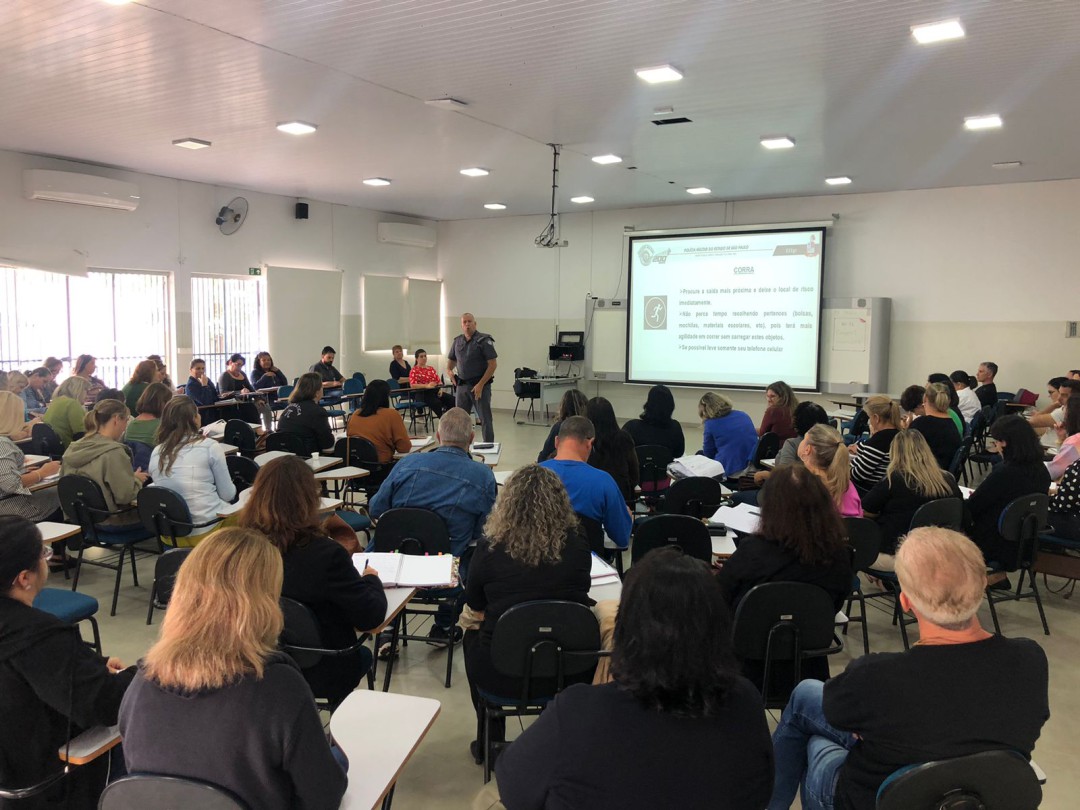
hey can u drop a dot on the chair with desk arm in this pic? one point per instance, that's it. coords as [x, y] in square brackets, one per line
[697, 497]
[1019, 524]
[526, 390]
[356, 451]
[288, 443]
[988, 780]
[653, 461]
[687, 534]
[141, 790]
[768, 445]
[242, 471]
[70, 607]
[241, 435]
[864, 539]
[45, 442]
[408, 403]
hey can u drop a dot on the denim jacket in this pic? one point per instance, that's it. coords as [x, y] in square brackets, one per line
[446, 481]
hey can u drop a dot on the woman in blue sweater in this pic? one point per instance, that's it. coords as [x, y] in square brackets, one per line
[730, 435]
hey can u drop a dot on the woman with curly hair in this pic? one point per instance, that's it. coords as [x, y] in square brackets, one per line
[533, 548]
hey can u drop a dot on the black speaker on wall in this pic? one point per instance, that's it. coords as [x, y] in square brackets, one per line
[301, 210]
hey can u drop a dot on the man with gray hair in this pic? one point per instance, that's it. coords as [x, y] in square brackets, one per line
[958, 691]
[448, 482]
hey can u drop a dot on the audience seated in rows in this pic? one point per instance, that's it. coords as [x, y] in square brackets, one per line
[214, 699]
[67, 410]
[968, 401]
[13, 424]
[613, 449]
[1022, 472]
[573, 403]
[655, 426]
[912, 480]
[305, 418]
[145, 374]
[593, 493]
[1065, 505]
[730, 436]
[102, 457]
[235, 381]
[942, 433]
[954, 400]
[533, 548]
[266, 374]
[959, 691]
[143, 428]
[52, 685]
[380, 424]
[870, 459]
[15, 495]
[987, 390]
[426, 380]
[163, 371]
[780, 403]
[824, 453]
[807, 414]
[685, 728]
[319, 573]
[911, 404]
[191, 465]
[1066, 388]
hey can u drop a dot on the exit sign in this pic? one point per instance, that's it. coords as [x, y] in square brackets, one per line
[254, 271]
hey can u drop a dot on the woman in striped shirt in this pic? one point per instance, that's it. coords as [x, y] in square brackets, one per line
[870, 459]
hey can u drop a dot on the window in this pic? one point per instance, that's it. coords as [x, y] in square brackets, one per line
[226, 318]
[117, 316]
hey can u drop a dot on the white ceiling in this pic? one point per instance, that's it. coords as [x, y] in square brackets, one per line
[116, 85]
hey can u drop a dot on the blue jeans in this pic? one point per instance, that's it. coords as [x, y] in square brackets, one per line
[808, 751]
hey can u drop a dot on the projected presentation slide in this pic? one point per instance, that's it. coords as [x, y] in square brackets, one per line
[725, 309]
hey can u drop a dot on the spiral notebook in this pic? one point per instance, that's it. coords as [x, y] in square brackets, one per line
[408, 570]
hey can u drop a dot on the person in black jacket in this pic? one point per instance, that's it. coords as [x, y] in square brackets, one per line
[656, 425]
[685, 729]
[613, 449]
[51, 683]
[304, 416]
[533, 548]
[1022, 472]
[266, 374]
[319, 573]
[214, 699]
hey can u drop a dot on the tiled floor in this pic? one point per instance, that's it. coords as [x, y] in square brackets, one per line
[442, 774]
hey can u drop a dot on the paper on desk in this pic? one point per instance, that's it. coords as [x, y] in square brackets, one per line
[695, 467]
[422, 441]
[33, 461]
[741, 517]
[408, 570]
[215, 430]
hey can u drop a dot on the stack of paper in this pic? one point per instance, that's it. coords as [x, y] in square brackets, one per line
[422, 441]
[603, 573]
[695, 467]
[408, 570]
[742, 517]
[215, 430]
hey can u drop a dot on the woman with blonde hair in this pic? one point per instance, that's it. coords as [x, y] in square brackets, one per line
[237, 712]
[730, 436]
[191, 465]
[284, 506]
[13, 424]
[824, 453]
[937, 426]
[912, 479]
[870, 459]
[67, 410]
[15, 495]
[533, 548]
[780, 402]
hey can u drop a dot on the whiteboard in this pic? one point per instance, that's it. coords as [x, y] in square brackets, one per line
[855, 345]
[605, 339]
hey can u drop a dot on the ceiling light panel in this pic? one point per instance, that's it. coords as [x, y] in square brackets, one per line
[376, 181]
[475, 171]
[582, 200]
[699, 190]
[778, 142]
[937, 32]
[495, 206]
[658, 74]
[977, 122]
[297, 127]
[838, 181]
[605, 160]
[191, 143]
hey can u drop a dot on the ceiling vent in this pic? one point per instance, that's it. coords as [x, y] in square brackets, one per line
[664, 122]
[80, 189]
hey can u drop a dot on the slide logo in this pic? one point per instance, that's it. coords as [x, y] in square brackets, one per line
[646, 255]
[656, 312]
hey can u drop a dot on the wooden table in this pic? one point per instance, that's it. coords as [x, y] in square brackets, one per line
[379, 732]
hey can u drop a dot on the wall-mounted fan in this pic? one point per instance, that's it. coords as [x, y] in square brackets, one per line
[232, 216]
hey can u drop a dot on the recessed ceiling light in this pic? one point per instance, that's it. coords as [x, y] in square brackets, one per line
[982, 122]
[658, 74]
[297, 127]
[376, 181]
[476, 171]
[1009, 164]
[699, 190]
[663, 110]
[191, 143]
[495, 206]
[937, 32]
[778, 142]
[604, 160]
[582, 200]
[837, 181]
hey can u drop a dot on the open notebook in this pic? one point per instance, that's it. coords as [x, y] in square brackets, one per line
[408, 570]
[603, 573]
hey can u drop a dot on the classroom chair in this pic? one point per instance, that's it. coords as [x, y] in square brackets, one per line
[1019, 524]
[141, 790]
[165, 571]
[988, 780]
[70, 607]
[864, 540]
[687, 534]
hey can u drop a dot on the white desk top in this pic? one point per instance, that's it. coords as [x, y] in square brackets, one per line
[722, 546]
[325, 505]
[599, 593]
[396, 600]
[502, 475]
[51, 532]
[768, 463]
[320, 463]
[229, 449]
[341, 473]
[379, 732]
[33, 461]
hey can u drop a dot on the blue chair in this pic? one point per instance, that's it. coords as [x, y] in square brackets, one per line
[351, 388]
[84, 504]
[991, 780]
[408, 403]
[70, 607]
[331, 402]
[281, 401]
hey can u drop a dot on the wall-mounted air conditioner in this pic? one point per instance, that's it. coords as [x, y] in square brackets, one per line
[400, 233]
[80, 189]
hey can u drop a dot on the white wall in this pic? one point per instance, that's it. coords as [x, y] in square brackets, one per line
[173, 230]
[981, 273]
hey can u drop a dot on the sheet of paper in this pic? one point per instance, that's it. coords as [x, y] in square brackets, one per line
[742, 517]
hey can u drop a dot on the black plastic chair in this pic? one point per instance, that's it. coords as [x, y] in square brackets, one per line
[958, 465]
[653, 461]
[547, 640]
[301, 640]
[989, 780]
[141, 790]
[864, 538]
[1019, 524]
[597, 540]
[165, 515]
[359, 452]
[84, 504]
[45, 442]
[525, 389]
[697, 497]
[689, 535]
[240, 434]
[242, 471]
[415, 531]
[784, 622]
[288, 443]
[165, 570]
[767, 447]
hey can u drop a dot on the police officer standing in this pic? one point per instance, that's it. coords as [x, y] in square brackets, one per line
[473, 357]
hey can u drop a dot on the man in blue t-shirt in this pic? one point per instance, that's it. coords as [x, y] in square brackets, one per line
[593, 493]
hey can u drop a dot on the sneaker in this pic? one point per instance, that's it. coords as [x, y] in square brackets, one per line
[442, 637]
[385, 647]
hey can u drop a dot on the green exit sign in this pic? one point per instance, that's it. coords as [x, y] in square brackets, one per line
[254, 271]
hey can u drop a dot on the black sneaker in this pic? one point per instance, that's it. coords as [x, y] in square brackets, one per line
[385, 647]
[442, 637]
